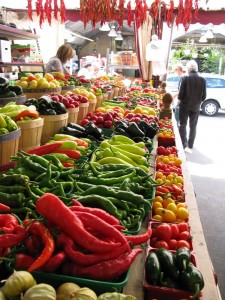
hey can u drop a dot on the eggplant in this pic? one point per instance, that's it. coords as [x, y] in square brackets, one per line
[76, 126]
[92, 130]
[134, 131]
[72, 131]
[31, 101]
[59, 107]
[47, 111]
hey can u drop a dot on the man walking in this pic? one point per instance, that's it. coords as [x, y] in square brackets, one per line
[191, 94]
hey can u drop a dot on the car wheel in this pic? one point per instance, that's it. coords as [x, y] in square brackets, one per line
[210, 108]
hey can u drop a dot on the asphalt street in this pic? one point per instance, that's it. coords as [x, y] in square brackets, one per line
[206, 166]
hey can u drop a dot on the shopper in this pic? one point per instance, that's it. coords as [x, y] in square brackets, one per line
[191, 93]
[180, 72]
[86, 71]
[57, 63]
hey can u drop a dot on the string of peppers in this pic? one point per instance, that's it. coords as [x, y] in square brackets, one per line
[44, 10]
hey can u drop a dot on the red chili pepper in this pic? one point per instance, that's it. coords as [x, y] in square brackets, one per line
[33, 244]
[45, 149]
[76, 203]
[39, 229]
[97, 224]
[109, 269]
[71, 153]
[180, 12]
[62, 11]
[29, 9]
[8, 223]
[162, 189]
[67, 164]
[86, 259]
[177, 189]
[4, 207]
[55, 262]
[139, 239]
[27, 113]
[12, 239]
[56, 9]
[62, 216]
[129, 14]
[20, 261]
[97, 212]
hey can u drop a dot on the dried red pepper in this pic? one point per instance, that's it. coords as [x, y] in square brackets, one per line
[180, 12]
[56, 9]
[62, 11]
[121, 13]
[55, 262]
[129, 14]
[169, 16]
[29, 9]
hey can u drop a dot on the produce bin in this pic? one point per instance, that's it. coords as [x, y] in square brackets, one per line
[52, 125]
[153, 292]
[18, 100]
[99, 287]
[68, 88]
[31, 132]
[166, 142]
[92, 106]
[37, 93]
[9, 144]
[72, 114]
[83, 110]
[100, 100]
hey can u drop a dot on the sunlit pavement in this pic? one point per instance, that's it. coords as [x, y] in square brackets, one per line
[206, 166]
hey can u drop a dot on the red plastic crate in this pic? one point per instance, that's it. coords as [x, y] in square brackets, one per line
[153, 292]
[162, 141]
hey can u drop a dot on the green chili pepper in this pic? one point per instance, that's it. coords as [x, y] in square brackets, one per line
[12, 189]
[117, 173]
[93, 200]
[112, 167]
[122, 139]
[54, 159]
[192, 280]
[12, 200]
[110, 181]
[112, 160]
[13, 179]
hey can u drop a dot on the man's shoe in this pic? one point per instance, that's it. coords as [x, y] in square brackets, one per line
[188, 150]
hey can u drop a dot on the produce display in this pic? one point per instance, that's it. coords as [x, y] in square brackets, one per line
[37, 81]
[7, 124]
[71, 210]
[7, 90]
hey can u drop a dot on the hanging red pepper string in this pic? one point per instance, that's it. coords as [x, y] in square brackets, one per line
[49, 11]
[154, 8]
[187, 14]
[41, 18]
[196, 8]
[56, 8]
[180, 12]
[169, 17]
[129, 14]
[121, 13]
[38, 9]
[62, 11]
[29, 8]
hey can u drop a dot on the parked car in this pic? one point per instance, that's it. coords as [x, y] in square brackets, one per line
[215, 99]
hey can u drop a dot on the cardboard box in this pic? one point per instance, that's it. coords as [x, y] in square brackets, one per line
[5, 51]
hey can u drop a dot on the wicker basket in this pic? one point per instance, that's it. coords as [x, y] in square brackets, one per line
[52, 125]
[31, 132]
[9, 144]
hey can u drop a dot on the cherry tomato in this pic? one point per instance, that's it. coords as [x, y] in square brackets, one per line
[175, 231]
[183, 226]
[163, 232]
[184, 235]
[161, 244]
[172, 244]
[183, 243]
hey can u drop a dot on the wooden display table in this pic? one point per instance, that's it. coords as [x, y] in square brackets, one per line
[210, 291]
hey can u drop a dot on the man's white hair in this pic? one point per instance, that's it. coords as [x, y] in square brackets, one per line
[192, 66]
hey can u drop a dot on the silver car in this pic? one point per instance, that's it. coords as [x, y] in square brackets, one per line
[215, 98]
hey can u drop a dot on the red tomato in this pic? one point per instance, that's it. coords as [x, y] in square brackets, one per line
[163, 232]
[153, 241]
[183, 243]
[161, 244]
[183, 226]
[184, 235]
[175, 231]
[172, 244]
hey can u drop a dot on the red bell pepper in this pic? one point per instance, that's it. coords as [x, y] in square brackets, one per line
[27, 113]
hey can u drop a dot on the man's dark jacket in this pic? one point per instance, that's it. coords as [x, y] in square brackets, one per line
[192, 92]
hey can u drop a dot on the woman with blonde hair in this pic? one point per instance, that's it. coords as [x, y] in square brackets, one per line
[57, 63]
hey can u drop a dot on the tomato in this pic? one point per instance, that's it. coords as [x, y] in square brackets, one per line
[183, 227]
[161, 150]
[184, 235]
[153, 241]
[182, 213]
[161, 244]
[163, 232]
[172, 244]
[175, 231]
[182, 243]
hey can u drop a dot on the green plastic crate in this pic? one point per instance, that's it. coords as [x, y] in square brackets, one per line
[99, 287]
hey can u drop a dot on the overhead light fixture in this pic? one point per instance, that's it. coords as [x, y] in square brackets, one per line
[119, 36]
[209, 34]
[105, 27]
[78, 35]
[112, 32]
[203, 39]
